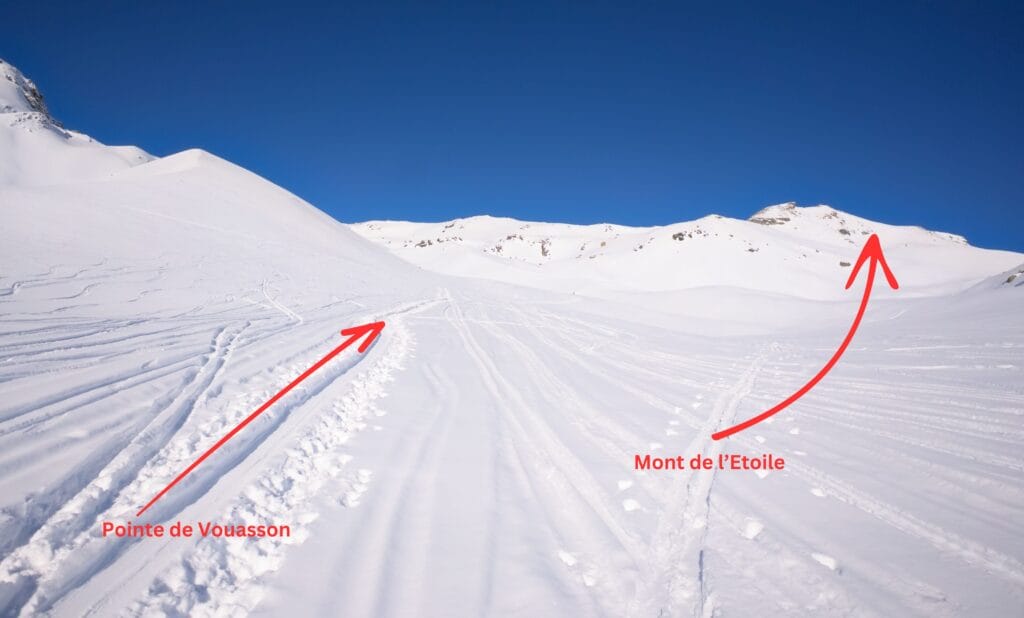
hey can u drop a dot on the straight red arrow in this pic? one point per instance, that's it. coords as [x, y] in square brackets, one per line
[353, 334]
[872, 252]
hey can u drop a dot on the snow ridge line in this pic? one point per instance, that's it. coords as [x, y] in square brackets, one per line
[236, 569]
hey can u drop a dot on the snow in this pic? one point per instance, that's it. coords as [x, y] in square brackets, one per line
[800, 254]
[36, 150]
[478, 458]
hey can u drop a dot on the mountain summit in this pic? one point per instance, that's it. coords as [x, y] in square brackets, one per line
[35, 149]
[829, 220]
[19, 95]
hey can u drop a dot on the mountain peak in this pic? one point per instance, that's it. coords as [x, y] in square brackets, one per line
[829, 220]
[19, 95]
[780, 214]
[39, 150]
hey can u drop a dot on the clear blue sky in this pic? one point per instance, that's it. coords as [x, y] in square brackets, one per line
[636, 113]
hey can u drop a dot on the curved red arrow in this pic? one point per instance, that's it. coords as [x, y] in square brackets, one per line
[353, 334]
[872, 251]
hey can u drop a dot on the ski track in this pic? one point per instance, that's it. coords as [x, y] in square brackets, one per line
[409, 559]
[67, 527]
[283, 493]
[553, 473]
[105, 468]
[675, 578]
[65, 551]
[76, 514]
[649, 548]
[945, 541]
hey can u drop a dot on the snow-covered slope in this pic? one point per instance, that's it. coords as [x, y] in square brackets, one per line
[478, 459]
[1013, 277]
[133, 299]
[783, 249]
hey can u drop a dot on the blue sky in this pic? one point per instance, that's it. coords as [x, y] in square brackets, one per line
[634, 113]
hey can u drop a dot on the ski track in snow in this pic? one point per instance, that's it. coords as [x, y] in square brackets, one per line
[74, 515]
[629, 544]
[64, 549]
[545, 463]
[281, 494]
[649, 544]
[675, 578]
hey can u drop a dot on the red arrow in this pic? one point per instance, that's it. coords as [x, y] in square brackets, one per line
[353, 334]
[872, 251]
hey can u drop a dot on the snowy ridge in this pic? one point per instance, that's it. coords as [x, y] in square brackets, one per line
[783, 249]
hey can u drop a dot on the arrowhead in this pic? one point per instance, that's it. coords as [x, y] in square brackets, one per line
[873, 251]
[355, 332]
